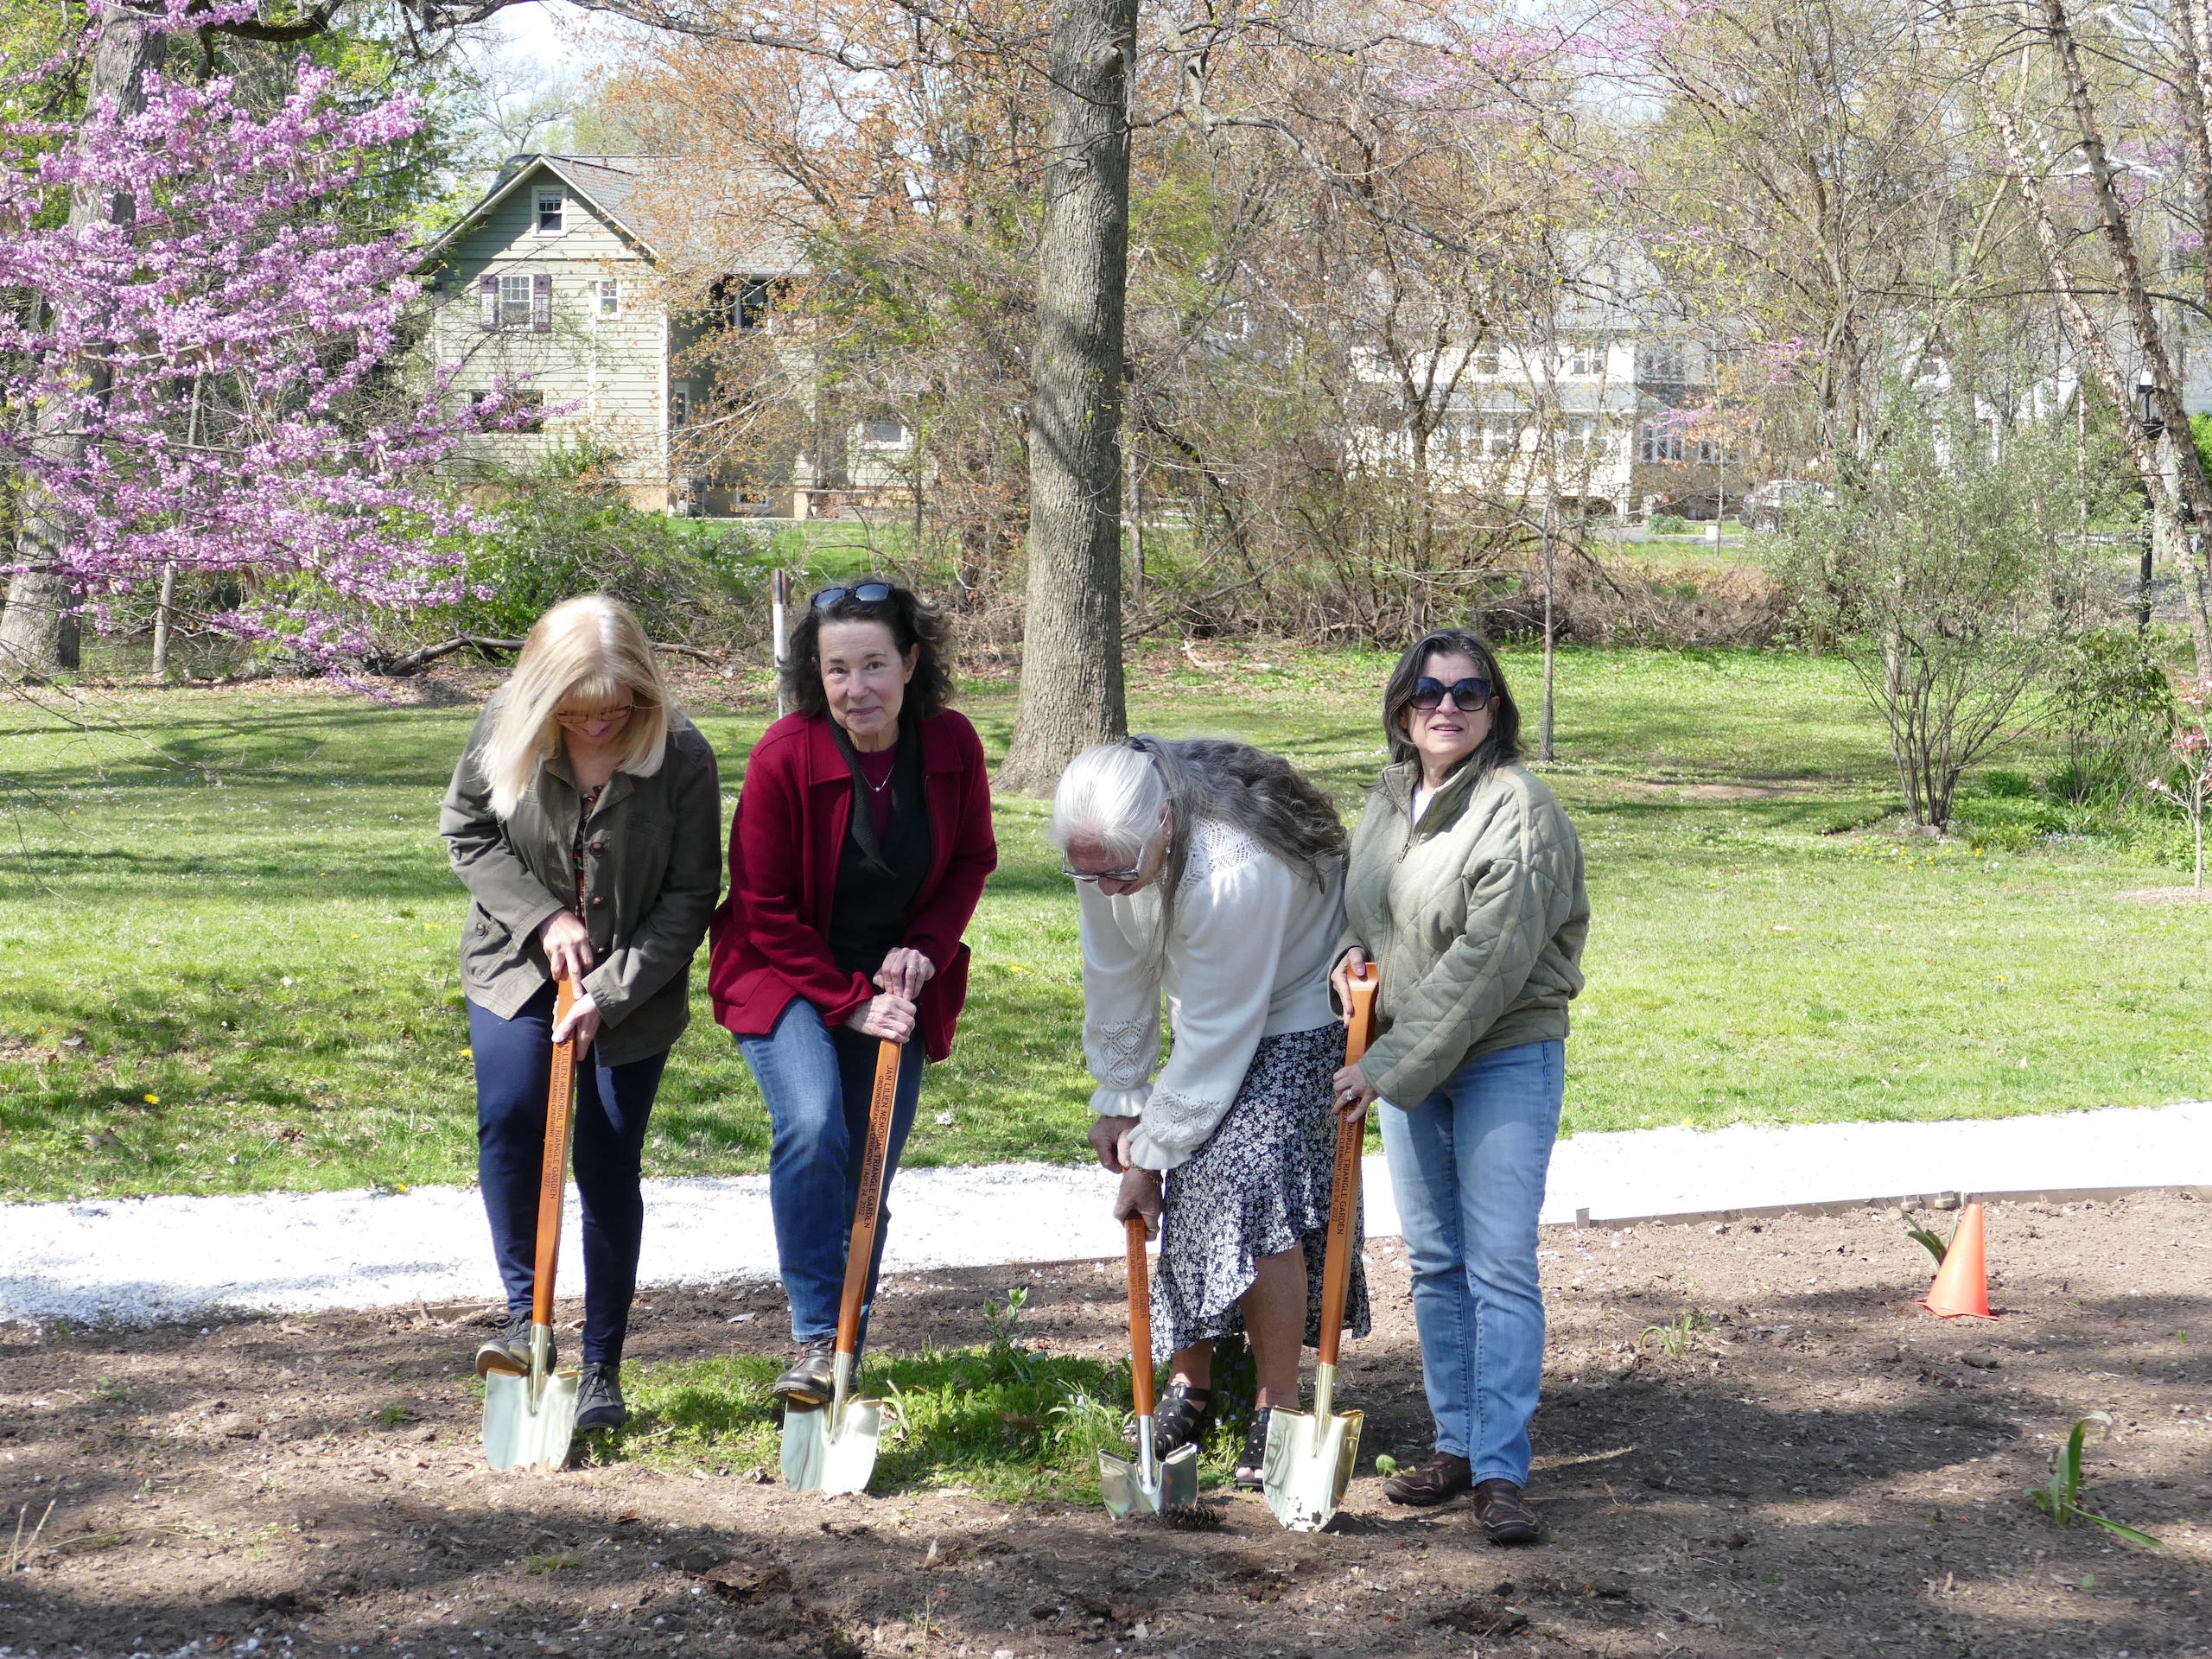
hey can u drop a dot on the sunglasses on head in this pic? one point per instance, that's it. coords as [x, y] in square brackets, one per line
[1467, 695]
[869, 593]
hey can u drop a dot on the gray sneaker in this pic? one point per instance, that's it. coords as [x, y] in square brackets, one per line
[810, 1379]
[508, 1351]
[598, 1398]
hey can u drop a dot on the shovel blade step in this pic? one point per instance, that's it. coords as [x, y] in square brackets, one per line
[823, 1457]
[523, 1430]
[1120, 1482]
[1306, 1474]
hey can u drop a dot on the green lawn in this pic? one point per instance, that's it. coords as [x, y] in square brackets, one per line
[227, 932]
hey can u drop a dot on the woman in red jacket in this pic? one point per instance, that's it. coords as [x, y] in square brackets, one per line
[861, 844]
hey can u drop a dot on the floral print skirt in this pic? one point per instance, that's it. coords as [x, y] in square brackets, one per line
[1259, 1186]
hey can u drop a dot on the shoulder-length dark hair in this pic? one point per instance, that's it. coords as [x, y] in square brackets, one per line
[912, 622]
[1503, 743]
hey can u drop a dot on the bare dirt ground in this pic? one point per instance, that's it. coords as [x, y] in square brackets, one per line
[1820, 1471]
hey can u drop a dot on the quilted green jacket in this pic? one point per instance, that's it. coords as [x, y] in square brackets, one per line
[1475, 918]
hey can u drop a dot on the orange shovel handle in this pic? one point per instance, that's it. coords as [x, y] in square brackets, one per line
[1140, 1319]
[552, 1186]
[1344, 1185]
[860, 1255]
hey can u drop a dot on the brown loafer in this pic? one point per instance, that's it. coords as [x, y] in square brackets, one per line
[1505, 1515]
[1439, 1480]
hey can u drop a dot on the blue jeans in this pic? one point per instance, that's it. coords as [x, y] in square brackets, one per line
[514, 1066]
[1468, 1167]
[816, 1083]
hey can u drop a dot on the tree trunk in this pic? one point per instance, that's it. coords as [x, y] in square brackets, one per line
[1071, 695]
[39, 598]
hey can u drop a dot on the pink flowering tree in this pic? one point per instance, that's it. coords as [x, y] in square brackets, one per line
[205, 374]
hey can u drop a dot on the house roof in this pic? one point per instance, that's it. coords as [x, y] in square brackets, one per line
[638, 194]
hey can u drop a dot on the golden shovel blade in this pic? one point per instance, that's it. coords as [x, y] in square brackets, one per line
[527, 1427]
[826, 1452]
[1308, 1466]
[1122, 1484]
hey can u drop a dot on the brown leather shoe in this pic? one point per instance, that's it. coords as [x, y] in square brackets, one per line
[1505, 1515]
[1439, 1480]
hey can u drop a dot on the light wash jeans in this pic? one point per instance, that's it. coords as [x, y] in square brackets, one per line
[1468, 1167]
[816, 1083]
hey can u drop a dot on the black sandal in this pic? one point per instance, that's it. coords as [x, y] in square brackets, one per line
[1251, 1468]
[1178, 1419]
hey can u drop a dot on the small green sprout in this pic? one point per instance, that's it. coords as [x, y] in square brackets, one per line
[2060, 1498]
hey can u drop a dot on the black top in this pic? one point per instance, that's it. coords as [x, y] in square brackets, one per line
[878, 876]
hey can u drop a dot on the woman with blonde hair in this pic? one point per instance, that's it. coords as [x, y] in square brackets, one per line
[585, 820]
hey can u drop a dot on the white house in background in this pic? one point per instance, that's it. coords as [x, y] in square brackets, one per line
[1615, 411]
[558, 274]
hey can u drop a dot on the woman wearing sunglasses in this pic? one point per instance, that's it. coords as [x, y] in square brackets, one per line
[585, 820]
[1466, 888]
[861, 844]
[1211, 872]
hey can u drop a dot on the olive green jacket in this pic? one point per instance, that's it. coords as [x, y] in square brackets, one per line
[1475, 918]
[653, 871]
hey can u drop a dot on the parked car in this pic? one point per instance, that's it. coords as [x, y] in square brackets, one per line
[1766, 504]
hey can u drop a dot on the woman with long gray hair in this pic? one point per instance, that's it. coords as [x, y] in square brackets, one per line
[1212, 873]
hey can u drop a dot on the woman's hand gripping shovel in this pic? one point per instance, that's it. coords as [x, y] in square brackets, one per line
[1310, 1457]
[832, 1448]
[1150, 1484]
[531, 1417]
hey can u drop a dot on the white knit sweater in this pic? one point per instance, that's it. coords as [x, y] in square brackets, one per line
[1250, 958]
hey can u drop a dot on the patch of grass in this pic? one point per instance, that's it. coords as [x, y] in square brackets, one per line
[227, 934]
[1007, 1425]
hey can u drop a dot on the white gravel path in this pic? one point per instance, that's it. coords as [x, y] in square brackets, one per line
[134, 1260]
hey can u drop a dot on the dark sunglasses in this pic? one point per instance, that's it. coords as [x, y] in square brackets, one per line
[1466, 695]
[869, 593]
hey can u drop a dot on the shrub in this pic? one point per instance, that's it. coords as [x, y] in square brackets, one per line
[564, 530]
[1666, 524]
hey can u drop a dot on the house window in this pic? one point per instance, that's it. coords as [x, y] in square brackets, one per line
[607, 297]
[1486, 358]
[883, 432]
[514, 300]
[1666, 363]
[1500, 435]
[1658, 443]
[1586, 357]
[679, 403]
[552, 212]
[1580, 435]
[528, 405]
[745, 303]
[1715, 451]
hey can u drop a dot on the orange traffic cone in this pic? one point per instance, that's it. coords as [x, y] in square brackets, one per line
[1961, 1286]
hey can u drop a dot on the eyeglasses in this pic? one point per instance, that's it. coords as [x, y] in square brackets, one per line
[572, 717]
[1466, 695]
[1133, 873]
[869, 593]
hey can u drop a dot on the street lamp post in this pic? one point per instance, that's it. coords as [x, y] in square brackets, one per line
[2154, 428]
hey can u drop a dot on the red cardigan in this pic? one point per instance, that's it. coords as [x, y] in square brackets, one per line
[771, 935]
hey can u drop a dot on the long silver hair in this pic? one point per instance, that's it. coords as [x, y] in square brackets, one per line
[1119, 794]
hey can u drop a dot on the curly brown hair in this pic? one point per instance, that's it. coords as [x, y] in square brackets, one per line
[913, 621]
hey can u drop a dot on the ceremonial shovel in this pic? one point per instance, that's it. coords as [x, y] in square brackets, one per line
[832, 1448]
[1309, 1458]
[531, 1417]
[1150, 1484]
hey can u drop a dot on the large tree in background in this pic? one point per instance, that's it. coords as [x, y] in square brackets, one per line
[1071, 691]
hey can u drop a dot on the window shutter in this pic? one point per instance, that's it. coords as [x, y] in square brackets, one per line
[488, 300]
[541, 302]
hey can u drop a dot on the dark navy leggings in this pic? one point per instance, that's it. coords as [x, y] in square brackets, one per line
[514, 1066]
